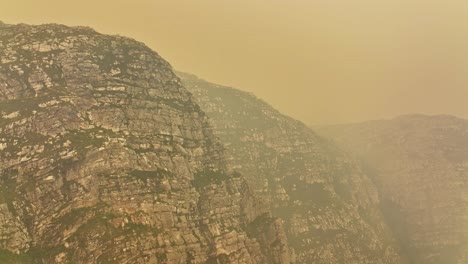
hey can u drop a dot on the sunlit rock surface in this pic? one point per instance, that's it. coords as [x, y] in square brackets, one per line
[420, 166]
[105, 158]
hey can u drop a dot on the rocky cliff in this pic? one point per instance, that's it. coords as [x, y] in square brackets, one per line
[420, 166]
[330, 208]
[105, 158]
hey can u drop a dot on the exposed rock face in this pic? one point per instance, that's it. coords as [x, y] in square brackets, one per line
[105, 158]
[329, 206]
[420, 165]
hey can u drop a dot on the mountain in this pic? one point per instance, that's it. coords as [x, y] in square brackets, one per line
[330, 207]
[419, 164]
[106, 158]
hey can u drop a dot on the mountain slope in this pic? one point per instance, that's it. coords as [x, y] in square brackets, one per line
[420, 166]
[105, 158]
[329, 206]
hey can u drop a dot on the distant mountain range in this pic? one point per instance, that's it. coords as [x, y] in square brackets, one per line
[419, 164]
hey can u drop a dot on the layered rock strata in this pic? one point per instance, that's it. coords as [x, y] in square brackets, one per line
[105, 158]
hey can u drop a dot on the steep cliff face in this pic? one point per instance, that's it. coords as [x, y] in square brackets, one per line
[105, 158]
[329, 206]
[420, 166]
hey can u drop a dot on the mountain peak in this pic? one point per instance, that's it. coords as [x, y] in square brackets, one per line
[105, 157]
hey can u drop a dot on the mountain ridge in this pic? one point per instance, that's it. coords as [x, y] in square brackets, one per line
[301, 175]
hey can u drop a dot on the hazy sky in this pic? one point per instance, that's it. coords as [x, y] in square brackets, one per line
[321, 61]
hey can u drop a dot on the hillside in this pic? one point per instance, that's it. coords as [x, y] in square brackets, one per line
[105, 158]
[420, 166]
[331, 209]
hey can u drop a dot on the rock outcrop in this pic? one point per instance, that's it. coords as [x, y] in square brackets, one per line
[105, 158]
[420, 166]
[330, 208]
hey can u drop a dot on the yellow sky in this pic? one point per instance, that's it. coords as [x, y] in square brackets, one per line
[321, 61]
